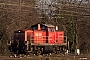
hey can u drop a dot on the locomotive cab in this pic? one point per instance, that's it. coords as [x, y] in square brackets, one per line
[17, 43]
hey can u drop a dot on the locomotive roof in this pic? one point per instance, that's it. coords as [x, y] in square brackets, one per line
[47, 25]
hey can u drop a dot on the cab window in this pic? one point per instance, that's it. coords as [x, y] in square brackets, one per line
[51, 30]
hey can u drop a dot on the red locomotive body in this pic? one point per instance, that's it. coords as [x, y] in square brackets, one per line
[42, 38]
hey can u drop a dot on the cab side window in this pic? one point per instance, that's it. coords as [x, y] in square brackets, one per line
[51, 30]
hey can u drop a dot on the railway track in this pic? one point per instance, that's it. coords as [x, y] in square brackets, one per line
[46, 57]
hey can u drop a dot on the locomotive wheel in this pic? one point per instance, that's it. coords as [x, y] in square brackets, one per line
[54, 50]
[38, 52]
[64, 49]
[60, 49]
[32, 51]
[57, 50]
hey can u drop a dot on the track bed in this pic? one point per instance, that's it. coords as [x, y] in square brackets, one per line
[54, 57]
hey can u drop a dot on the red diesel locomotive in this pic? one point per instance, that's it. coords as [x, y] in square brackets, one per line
[40, 39]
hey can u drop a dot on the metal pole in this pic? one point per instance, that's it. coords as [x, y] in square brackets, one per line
[76, 36]
[20, 12]
[67, 46]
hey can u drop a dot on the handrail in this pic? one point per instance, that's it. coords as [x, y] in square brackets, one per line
[38, 39]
